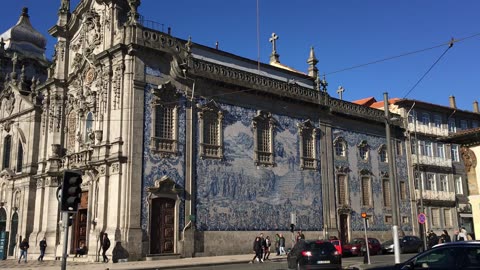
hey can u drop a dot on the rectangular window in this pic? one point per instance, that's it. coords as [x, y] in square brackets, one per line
[418, 180]
[164, 131]
[388, 219]
[463, 124]
[7, 145]
[443, 182]
[405, 220]
[308, 156]
[447, 213]
[403, 190]
[437, 119]
[441, 150]
[435, 217]
[455, 153]
[452, 128]
[210, 145]
[264, 141]
[414, 146]
[342, 190]
[474, 124]
[19, 157]
[430, 185]
[425, 119]
[399, 148]
[366, 191]
[458, 185]
[428, 149]
[386, 193]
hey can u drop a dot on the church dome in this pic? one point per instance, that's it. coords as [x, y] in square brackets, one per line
[23, 38]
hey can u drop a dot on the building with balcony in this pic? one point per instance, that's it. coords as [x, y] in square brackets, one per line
[437, 173]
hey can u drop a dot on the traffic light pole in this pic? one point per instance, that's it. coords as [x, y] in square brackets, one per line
[65, 239]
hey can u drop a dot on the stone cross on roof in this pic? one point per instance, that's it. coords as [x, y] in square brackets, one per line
[274, 57]
[273, 40]
[340, 91]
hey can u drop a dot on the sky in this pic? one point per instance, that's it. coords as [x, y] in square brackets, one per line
[368, 47]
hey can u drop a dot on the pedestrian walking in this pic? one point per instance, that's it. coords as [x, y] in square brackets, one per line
[462, 235]
[281, 242]
[43, 246]
[277, 244]
[105, 247]
[257, 249]
[23, 250]
[266, 248]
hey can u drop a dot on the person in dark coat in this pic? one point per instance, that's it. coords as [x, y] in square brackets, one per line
[257, 248]
[43, 246]
[432, 239]
[105, 247]
[444, 238]
[23, 249]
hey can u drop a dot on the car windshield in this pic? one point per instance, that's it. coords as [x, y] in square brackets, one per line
[388, 242]
[357, 241]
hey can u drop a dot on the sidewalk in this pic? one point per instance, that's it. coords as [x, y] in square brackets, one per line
[157, 264]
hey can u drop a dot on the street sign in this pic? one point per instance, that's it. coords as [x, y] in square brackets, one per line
[422, 218]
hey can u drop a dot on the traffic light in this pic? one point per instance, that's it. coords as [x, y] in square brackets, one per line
[71, 190]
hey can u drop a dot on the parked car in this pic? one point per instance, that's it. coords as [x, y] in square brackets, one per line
[453, 255]
[407, 244]
[356, 247]
[314, 254]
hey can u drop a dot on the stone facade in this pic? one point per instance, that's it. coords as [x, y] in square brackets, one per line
[185, 149]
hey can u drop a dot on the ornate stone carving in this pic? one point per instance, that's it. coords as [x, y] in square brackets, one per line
[56, 150]
[40, 183]
[342, 169]
[469, 158]
[117, 83]
[115, 167]
[102, 170]
[98, 136]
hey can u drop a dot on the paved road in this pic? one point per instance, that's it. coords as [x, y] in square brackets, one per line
[277, 263]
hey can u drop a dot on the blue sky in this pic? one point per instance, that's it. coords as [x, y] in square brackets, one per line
[344, 34]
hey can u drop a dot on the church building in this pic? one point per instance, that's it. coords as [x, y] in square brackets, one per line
[184, 149]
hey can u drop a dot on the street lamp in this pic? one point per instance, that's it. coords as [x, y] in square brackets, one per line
[396, 243]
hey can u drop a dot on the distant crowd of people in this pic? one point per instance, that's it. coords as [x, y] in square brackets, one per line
[262, 246]
[458, 235]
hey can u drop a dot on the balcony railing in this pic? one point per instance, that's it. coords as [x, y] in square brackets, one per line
[77, 160]
[421, 128]
[436, 195]
[434, 161]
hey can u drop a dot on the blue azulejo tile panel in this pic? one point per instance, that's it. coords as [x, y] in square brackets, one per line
[155, 166]
[234, 194]
[373, 168]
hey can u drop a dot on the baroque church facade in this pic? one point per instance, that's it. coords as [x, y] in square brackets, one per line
[185, 149]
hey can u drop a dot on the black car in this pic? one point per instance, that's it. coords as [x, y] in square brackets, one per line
[464, 255]
[314, 254]
[407, 244]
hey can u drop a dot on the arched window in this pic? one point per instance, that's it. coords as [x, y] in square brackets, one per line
[211, 130]
[263, 125]
[19, 157]
[382, 153]
[340, 147]
[308, 145]
[89, 127]
[363, 149]
[7, 145]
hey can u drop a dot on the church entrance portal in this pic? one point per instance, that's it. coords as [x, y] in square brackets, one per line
[162, 223]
